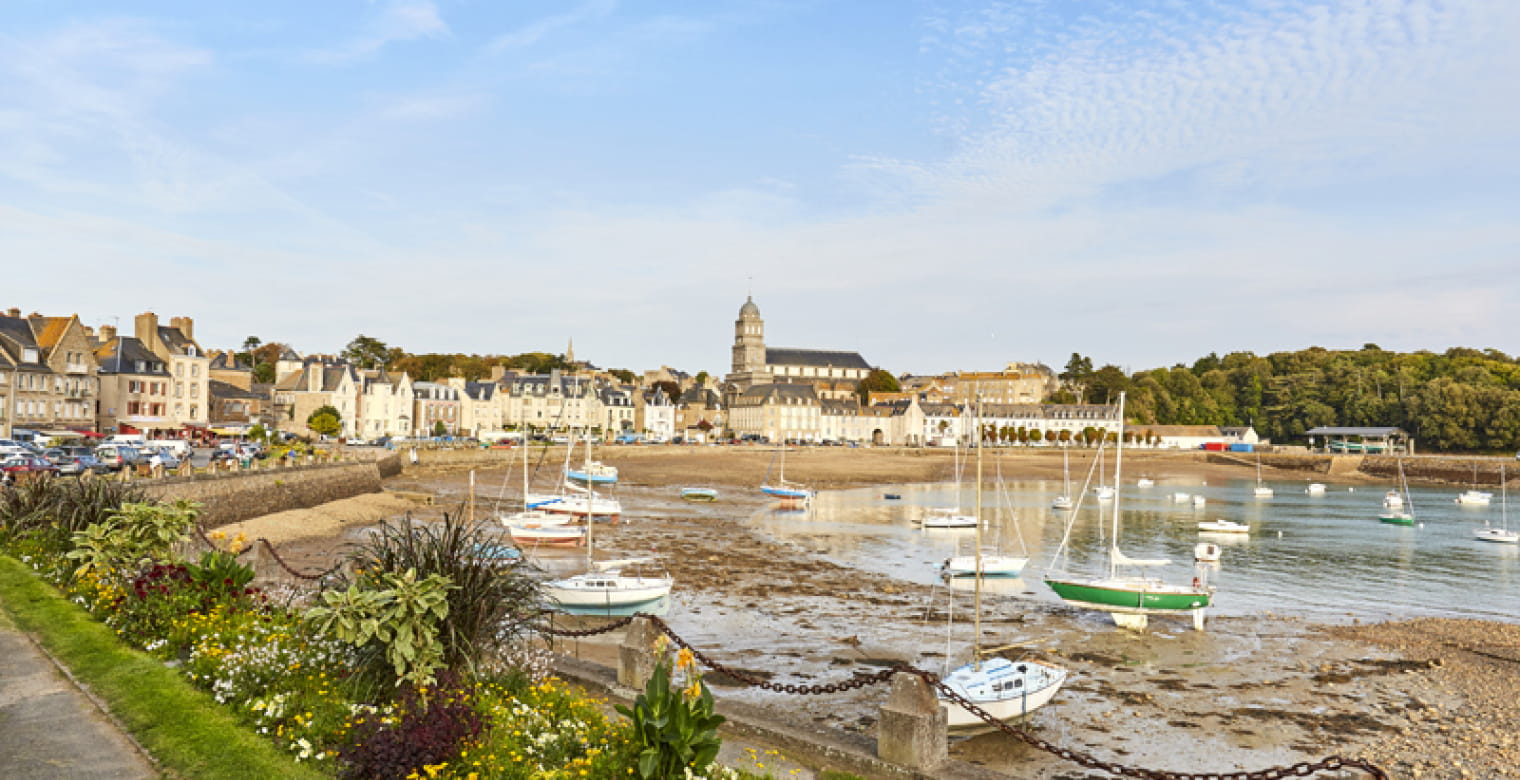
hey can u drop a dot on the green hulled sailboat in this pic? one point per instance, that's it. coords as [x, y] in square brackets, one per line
[1129, 598]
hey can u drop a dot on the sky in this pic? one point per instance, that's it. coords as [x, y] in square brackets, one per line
[938, 185]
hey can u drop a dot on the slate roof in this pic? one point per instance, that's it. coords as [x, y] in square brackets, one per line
[121, 355]
[227, 361]
[758, 394]
[1178, 430]
[480, 391]
[821, 358]
[15, 337]
[176, 341]
[698, 396]
[227, 391]
[289, 354]
[841, 407]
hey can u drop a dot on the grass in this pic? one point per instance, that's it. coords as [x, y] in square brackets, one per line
[184, 728]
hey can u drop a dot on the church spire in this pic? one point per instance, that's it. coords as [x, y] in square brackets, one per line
[570, 352]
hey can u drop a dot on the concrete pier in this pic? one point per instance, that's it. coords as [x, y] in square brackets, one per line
[914, 728]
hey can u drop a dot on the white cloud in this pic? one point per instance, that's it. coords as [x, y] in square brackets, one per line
[533, 32]
[400, 21]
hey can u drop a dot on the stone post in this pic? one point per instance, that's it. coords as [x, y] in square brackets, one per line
[636, 655]
[914, 728]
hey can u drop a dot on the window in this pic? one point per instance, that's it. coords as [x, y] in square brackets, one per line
[195, 370]
[179, 369]
[29, 355]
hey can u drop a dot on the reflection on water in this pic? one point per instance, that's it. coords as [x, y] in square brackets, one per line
[1007, 586]
[1322, 555]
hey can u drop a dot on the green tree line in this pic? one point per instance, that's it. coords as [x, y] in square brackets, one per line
[1464, 400]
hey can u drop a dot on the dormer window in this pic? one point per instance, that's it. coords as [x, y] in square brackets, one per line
[190, 350]
[29, 355]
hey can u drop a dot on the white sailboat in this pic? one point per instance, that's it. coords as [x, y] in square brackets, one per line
[1223, 527]
[1063, 501]
[1475, 497]
[1103, 491]
[1501, 534]
[1261, 491]
[534, 527]
[1145, 482]
[1129, 599]
[982, 562]
[942, 517]
[1315, 489]
[1001, 687]
[604, 584]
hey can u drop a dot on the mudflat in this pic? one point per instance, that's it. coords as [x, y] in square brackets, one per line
[1422, 698]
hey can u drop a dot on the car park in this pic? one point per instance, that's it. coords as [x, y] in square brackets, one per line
[79, 465]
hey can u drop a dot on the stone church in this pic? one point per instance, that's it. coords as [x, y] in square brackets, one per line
[832, 374]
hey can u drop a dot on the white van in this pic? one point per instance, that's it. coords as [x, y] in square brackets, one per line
[179, 447]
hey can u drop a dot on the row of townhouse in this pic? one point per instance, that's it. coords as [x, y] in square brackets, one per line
[785, 412]
[59, 376]
[378, 403]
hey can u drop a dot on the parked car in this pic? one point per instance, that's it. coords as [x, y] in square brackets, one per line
[78, 465]
[119, 456]
[26, 464]
[166, 458]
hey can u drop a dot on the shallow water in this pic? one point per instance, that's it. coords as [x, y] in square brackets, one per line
[1325, 557]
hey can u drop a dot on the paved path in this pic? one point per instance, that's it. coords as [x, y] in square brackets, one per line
[48, 727]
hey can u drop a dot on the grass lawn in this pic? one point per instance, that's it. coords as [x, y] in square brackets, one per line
[183, 727]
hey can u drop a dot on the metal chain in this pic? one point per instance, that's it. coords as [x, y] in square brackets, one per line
[1081, 758]
[281, 561]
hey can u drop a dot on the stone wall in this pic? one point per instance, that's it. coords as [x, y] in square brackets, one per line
[235, 496]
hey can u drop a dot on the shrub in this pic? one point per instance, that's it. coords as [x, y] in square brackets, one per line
[396, 614]
[428, 729]
[676, 731]
[62, 507]
[136, 534]
[489, 602]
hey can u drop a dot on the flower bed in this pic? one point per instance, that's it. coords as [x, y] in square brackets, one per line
[327, 696]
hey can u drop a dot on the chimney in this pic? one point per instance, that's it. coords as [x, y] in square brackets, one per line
[497, 372]
[13, 312]
[185, 325]
[107, 332]
[145, 328]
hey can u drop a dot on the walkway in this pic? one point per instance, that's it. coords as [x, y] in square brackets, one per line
[48, 727]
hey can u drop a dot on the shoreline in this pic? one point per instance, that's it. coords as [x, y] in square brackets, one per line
[1251, 692]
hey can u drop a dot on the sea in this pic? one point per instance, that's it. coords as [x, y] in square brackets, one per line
[1322, 557]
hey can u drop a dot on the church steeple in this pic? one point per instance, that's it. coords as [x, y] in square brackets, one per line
[749, 342]
[570, 352]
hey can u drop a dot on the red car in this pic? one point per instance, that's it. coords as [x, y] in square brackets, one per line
[26, 464]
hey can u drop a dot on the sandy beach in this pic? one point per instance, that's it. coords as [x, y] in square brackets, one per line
[1423, 698]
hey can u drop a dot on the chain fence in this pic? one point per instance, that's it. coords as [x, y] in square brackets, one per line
[1081, 758]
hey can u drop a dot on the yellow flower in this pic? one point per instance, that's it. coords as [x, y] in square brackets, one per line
[686, 659]
[694, 690]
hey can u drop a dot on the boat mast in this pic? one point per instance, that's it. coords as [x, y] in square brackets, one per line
[1118, 463]
[1503, 499]
[976, 642]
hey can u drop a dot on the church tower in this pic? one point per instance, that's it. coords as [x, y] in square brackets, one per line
[749, 347]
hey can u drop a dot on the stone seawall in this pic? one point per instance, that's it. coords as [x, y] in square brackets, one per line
[1447, 469]
[236, 496]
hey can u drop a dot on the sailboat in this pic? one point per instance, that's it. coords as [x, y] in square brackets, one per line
[1502, 534]
[1063, 501]
[954, 518]
[1475, 497]
[1001, 687]
[536, 527]
[592, 472]
[981, 562]
[781, 488]
[1103, 491]
[575, 499]
[604, 584]
[1129, 599]
[1261, 491]
[1395, 502]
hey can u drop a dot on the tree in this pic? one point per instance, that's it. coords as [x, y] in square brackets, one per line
[325, 421]
[671, 389]
[701, 378]
[624, 375]
[264, 373]
[366, 352]
[439, 429]
[877, 381]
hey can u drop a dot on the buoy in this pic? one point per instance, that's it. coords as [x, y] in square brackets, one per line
[1197, 582]
[1279, 534]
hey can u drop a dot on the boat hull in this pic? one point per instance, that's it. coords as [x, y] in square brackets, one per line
[992, 566]
[1497, 535]
[948, 520]
[1004, 689]
[790, 494]
[704, 495]
[587, 590]
[552, 536]
[592, 478]
[1130, 596]
[1396, 518]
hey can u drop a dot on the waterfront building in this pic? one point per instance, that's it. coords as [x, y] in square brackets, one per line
[317, 384]
[1181, 437]
[655, 415]
[189, 406]
[617, 411]
[384, 404]
[700, 413]
[777, 412]
[481, 410]
[48, 374]
[436, 408]
[1017, 383]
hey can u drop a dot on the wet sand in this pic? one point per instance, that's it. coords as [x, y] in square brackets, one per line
[1426, 698]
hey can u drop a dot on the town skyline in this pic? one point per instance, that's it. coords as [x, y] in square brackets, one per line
[951, 185]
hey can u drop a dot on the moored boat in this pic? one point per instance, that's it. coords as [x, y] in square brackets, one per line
[1005, 689]
[1501, 532]
[700, 494]
[1223, 527]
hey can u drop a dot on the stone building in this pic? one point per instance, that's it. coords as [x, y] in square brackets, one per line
[435, 409]
[135, 385]
[175, 345]
[48, 380]
[297, 395]
[831, 373]
[776, 412]
[385, 404]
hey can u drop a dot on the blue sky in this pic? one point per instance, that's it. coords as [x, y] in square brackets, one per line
[938, 185]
